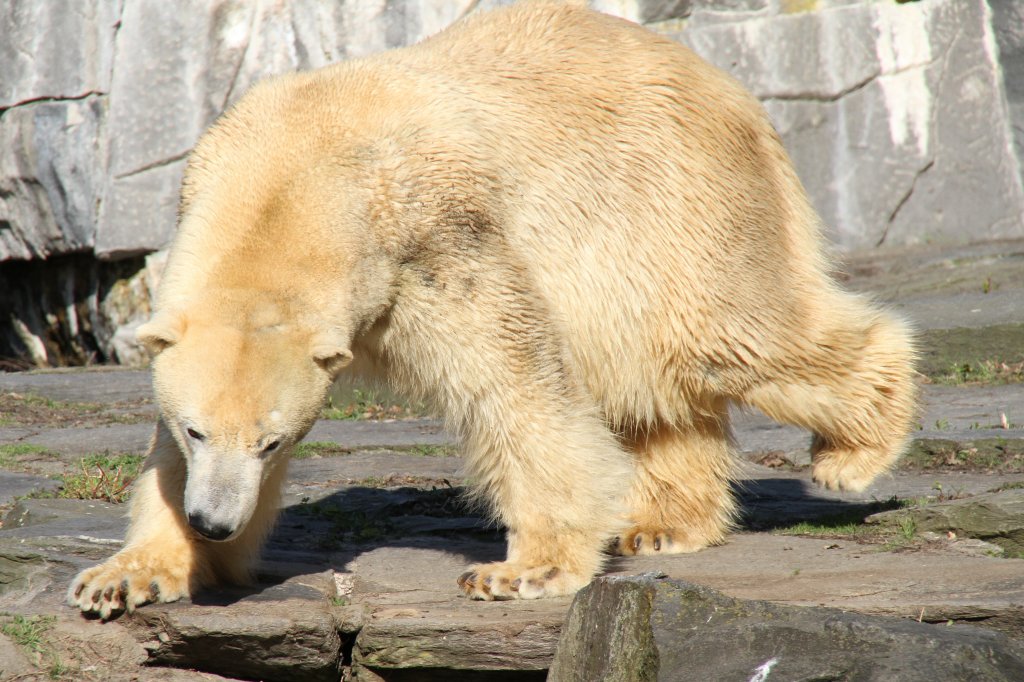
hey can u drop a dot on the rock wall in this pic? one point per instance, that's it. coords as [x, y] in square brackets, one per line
[896, 113]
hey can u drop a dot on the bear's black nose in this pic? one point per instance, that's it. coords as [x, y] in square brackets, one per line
[205, 527]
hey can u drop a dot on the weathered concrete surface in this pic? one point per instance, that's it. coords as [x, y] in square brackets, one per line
[645, 629]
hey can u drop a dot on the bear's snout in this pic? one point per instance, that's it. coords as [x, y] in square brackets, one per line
[208, 528]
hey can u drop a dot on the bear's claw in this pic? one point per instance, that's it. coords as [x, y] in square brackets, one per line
[503, 580]
[650, 541]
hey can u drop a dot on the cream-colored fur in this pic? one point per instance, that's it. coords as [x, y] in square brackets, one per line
[575, 237]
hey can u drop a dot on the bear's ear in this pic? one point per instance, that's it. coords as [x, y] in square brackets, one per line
[162, 331]
[332, 359]
[331, 352]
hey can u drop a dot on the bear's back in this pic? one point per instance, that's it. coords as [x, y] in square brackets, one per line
[646, 191]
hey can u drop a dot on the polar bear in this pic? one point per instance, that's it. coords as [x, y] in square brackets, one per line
[577, 239]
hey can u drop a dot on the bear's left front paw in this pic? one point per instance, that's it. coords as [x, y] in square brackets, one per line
[504, 580]
[127, 580]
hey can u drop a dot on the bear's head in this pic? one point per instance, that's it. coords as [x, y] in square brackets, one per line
[237, 393]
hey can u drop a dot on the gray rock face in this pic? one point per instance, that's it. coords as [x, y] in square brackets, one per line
[645, 628]
[50, 177]
[896, 117]
[178, 66]
[882, 107]
[1008, 23]
[895, 113]
[34, 70]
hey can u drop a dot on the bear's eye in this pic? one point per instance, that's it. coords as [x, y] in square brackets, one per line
[192, 433]
[272, 446]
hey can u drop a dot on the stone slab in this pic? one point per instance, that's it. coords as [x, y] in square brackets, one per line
[77, 441]
[279, 632]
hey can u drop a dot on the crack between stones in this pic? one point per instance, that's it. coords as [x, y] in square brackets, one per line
[810, 97]
[53, 98]
[156, 164]
[860, 85]
[903, 200]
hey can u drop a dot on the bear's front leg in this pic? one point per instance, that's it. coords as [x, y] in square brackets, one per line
[556, 478]
[536, 447]
[162, 559]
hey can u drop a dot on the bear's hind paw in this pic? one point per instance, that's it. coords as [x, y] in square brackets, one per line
[504, 580]
[119, 586]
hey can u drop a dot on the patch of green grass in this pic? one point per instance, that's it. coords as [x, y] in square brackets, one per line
[11, 453]
[982, 372]
[823, 528]
[847, 524]
[365, 404]
[29, 631]
[58, 670]
[33, 410]
[318, 448]
[907, 527]
[1014, 485]
[370, 404]
[964, 355]
[339, 601]
[433, 451]
[1004, 455]
[103, 476]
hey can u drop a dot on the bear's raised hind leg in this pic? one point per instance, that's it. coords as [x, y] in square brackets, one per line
[854, 389]
[680, 500]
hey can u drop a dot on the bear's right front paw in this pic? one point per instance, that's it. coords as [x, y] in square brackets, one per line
[125, 582]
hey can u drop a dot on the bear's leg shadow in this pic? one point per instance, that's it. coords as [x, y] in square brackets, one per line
[680, 500]
[853, 387]
[163, 560]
